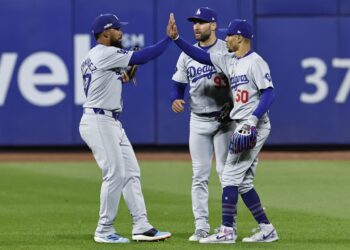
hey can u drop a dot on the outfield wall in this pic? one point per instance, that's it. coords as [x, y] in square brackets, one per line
[43, 41]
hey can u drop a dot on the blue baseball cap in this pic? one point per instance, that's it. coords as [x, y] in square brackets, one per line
[204, 14]
[239, 27]
[106, 21]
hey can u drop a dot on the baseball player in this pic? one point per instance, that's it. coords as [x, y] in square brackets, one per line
[101, 129]
[253, 93]
[208, 91]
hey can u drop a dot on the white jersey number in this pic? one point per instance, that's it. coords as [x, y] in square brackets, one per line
[317, 79]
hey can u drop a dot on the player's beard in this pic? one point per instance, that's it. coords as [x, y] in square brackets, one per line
[203, 37]
[232, 48]
[116, 43]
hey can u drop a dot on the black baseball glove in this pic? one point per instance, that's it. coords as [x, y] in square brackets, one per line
[224, 115]
[130, 71]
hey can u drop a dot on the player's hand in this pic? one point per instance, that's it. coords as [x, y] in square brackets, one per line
[125, 77]
[171, 28]
[178, 105]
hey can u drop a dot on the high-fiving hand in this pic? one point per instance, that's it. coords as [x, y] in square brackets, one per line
[171, 28]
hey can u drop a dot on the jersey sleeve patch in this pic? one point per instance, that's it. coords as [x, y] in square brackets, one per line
[268, 77]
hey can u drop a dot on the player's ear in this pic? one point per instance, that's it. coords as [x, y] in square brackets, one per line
[212, 26]
[240, 39]
[105, 33]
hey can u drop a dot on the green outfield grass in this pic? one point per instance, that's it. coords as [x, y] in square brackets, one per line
[55, 205]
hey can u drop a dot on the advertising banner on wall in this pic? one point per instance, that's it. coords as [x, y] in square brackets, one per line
[43, 43]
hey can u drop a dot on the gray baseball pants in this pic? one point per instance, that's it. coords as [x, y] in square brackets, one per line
[240, 168]
[120, 172]
[206, 139]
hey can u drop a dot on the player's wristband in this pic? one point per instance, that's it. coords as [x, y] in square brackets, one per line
[253, 120]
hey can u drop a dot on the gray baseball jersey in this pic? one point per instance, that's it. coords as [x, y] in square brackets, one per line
[248, 75]
[102, 85]
[208, 91]
[105, 136]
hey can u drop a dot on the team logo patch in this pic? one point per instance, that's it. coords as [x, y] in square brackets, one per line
[122, 51]
[268, 77]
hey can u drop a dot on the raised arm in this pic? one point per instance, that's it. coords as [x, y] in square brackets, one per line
[193, 52]
[151, 52]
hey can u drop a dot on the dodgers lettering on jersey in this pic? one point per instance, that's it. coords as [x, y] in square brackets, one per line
[194, 74]
[235, 81]
[248, 75]
[208, 88]
[102, 82]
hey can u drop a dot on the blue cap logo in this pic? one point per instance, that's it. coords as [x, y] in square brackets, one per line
[204, 14]
[239, 27]
[106, 21]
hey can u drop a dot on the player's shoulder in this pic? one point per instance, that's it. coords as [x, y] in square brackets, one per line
[95, 53]
[106, 50]
[220, 42]
[220, 47]
[183, 56]
[255, 58]
[112, 50]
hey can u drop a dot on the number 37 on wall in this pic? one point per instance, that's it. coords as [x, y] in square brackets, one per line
[317, 79]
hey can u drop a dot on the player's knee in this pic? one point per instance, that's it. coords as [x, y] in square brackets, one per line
[229, 180]
[225, 182]
[219, 170]
[200, 180]
[245, 188]
[201, 170]
[132, 179]
[116, 176]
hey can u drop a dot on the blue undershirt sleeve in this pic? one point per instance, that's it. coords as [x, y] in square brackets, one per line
[266, 99]
[149, 53]
[194, 52]
[178, 91]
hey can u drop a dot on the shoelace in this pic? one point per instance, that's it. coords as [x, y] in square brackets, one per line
[217, 230]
